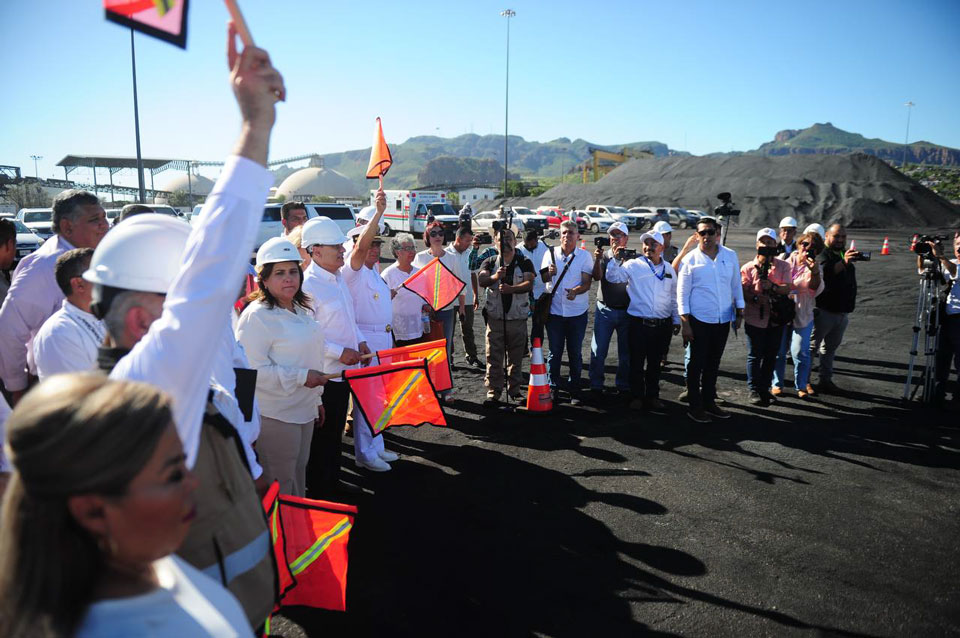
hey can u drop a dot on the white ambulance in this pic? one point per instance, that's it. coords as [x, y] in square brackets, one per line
[407, 211]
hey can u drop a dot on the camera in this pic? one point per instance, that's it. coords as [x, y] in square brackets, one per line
[627, 253]
[484, 237]
[769, 251]
[921, 247]
[601, 242]
[863, 256]
[726, 209]
[498, 225]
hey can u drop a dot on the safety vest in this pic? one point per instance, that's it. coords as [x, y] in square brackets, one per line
[229, 540]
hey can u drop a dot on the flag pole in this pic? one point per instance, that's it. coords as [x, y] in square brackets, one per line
[136, 121]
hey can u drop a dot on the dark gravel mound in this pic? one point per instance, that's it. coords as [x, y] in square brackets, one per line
[857, 190]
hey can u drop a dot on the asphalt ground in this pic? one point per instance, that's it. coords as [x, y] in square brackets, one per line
[833, 517]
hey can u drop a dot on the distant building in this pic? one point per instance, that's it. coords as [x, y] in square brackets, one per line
[477, 194]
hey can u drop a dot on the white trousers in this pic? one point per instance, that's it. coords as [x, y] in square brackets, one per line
[367, 447]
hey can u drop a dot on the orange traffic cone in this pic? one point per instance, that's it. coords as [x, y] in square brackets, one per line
[583, 244]
[539, 400]
[886, 246]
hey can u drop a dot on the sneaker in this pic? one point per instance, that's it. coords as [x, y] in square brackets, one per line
[716, 411]
[682, 396]
[756, 399]
[374, 465]
[698, 415]
[776, 391]
[655, 406]
[575, 400]
[388, 456]
[517, 396]
[475, 362]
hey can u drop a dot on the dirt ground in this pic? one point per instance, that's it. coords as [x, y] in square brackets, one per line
[833, 517]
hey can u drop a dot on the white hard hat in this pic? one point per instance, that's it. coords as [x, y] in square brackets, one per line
[816, 228]
[662, 228]
[767, 232]
[652, 234]
[788, 222]
[367, 213]
[321, 230]
[143, 254]
[275, 250]
[618, 226]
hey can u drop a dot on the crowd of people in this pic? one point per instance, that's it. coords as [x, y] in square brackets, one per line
[133, 470]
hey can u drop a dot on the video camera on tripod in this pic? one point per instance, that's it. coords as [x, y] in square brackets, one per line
[726, 209]
[927, 319]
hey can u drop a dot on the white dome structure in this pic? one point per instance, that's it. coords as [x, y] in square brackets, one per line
[311, 182]
[198, 184]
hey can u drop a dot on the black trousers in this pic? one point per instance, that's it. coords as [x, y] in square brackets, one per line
[323, 468]
[648, 345]
[706, 350]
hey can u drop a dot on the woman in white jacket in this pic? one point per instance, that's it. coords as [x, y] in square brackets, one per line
[285, 346]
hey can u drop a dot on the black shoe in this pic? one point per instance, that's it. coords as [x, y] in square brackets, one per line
[698, 415]
[576, 400]
[654, 406]
[715, 411]
[757, 399]
[475, 362]
[828, 387]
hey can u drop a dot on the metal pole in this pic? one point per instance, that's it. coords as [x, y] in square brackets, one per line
[506, 13]
[36, 172]
[190, 184]
[136, 121]
[906, 137]
[95, 191]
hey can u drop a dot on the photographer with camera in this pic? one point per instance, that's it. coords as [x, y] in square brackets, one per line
[834, 304]
[533, 248]
[765, 279]
[610, 314]
[949, 346]
[652, 314]
[508, 278]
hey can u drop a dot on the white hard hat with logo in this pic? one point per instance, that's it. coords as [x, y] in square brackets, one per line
[276, 250]
[788, 222]
[323, 231]
[142, 254]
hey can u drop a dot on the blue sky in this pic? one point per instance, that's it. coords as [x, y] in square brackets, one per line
[699, 76]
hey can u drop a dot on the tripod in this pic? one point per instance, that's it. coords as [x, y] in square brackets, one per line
[928, 321]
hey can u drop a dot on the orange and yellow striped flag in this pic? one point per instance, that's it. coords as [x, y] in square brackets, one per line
[433, 352]
[435, 284]
[392, 394]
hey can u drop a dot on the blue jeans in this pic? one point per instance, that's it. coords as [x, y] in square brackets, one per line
[605, 321]
[762, 347]
[569, 332]
[797, 341]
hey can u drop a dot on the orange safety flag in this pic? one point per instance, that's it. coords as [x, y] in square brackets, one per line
[392, 394]
[433, 352]
[435, 283]
[310, 540]
[164, 19]
[380, 158]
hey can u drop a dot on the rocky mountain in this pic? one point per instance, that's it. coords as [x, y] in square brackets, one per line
[827, 139]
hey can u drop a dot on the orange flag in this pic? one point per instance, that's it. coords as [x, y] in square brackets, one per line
[433, 352]
[393, 394]
[164, 19]
[435, 283]
[380, 157]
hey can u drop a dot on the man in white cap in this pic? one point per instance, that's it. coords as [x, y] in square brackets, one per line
[763, 278]
[164, 290]
[788, 231]
[709, 299]
[670, 251]
[610, 315]
[652, 290]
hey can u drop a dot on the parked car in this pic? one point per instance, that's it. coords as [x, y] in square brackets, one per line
[442, 212]
[681, 218]
[598, 222]
[27, 242]
[527, 219]
[39, 220]
[650, 215]
[270, 225]
[617, 213]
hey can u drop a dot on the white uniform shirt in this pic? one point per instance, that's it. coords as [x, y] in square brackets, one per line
[463, 270]
[536, 258]
[582, 263]
[33, 296]
[652, 289]
[407, 319]
[178, 353]
[424, 257]
[68, 342]
[372, 305]
[186, 603]
[282, 346]
[333, 310]
[710, 289]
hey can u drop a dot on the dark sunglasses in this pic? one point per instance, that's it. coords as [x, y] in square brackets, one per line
[436, 233]
[707, 231]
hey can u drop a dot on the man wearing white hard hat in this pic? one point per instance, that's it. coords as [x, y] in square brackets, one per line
[610, 316]
[670, 251]
[764, 279]
[788, 231]
[164, 290]
[652, 289]
[284, 344]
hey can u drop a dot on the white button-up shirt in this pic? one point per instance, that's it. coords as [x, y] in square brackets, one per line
[652, 289]
[33, 296]
[283, 346]
[710, 289]
[68, 341]
[333, 310]
[178, 352]
[582, 263]
[463, 270]
[372, 305]
[407, 319]
[536, 258]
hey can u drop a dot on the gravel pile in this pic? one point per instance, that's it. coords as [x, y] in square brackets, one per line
[857, 190]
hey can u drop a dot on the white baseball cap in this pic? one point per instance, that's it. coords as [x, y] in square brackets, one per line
[618, 226]
[816, 228]
[662, 228]
[767, 232]
[652, 234]
[788, 222]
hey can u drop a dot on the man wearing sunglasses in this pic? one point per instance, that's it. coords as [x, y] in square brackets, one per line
[709, 298]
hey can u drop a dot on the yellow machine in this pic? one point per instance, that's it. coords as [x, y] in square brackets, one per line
[612, 160]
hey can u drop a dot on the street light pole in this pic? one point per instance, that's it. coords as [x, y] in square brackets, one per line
[36, 173]
[906, 138]
[506, 13]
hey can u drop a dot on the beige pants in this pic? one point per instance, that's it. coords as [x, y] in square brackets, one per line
[516, 344]
[283, 450]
